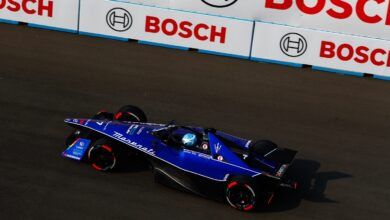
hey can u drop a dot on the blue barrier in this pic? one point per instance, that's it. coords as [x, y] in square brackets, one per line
[276, 62]
[343, 72]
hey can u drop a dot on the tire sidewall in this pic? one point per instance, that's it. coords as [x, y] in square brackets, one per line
[105, 144]
[244, 182]
[131, 111]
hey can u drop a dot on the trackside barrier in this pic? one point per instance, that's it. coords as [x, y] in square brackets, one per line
[328, 51]
[367, 18]
[370, 18]
[166, 27]
[259, 41]
[62, 15]
[159, 3]
[244, 9]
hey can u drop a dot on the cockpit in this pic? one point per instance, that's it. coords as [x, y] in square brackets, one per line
[195, 139]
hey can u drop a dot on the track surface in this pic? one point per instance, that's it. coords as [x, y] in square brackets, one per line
[339, 124]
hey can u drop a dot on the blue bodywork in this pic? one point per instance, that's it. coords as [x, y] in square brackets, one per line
[213, 160]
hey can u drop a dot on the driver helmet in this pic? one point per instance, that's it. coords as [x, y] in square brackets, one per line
[189, 140]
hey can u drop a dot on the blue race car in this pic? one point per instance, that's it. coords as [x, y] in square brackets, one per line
[203, 161]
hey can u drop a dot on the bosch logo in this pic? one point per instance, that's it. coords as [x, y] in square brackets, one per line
[118, 19]
[361, 54]
[219, 3]
[31, 7]
[293, 45]
[186, 29]
[367, 11]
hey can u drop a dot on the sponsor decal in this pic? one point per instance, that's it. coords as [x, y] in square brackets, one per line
[185, 29]
[105, 127]
[132, 129]
[219, 3]
[360, 54]
[282, 170]
[119, 19]
[140, 130]
[81, 121]
[125, 140]
[100, 123]
[337, 9]
[31, 7]
[205, 156]
[293, 45]
[77, 149]
[202, 155]
[189, 151]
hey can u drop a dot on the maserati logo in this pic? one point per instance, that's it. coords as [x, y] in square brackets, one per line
[217, 147]
[118, 19]
[219, 3]
[293, 45]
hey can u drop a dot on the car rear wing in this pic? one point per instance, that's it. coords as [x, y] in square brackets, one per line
[281, 155]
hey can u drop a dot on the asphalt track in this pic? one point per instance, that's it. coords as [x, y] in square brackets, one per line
[340, 125]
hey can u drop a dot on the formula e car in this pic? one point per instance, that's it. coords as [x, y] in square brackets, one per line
[203, 161]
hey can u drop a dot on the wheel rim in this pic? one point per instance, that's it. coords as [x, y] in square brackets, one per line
[102, 158]
[240, 196]
[127, 116]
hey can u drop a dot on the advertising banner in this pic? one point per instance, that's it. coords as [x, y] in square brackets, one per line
[57, 14]
[160, 3]
[243, 9]
[369, 18]
[321, 49]
[166, 26]
[358, 17]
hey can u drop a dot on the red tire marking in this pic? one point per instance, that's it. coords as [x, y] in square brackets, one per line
[96, 167]
[117, 116]
[270, 199]
[248, 208]
[107, 148]
[232, 184]
[134, 115]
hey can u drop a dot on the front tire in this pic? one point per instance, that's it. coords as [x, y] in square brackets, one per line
[103, 155]
[241, 193]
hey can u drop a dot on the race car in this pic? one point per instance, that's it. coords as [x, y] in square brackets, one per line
[204, 161]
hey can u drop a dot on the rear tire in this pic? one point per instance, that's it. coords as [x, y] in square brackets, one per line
[241, 193]
[130, 113]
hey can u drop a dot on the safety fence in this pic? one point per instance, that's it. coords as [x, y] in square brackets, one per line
[347, 37]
